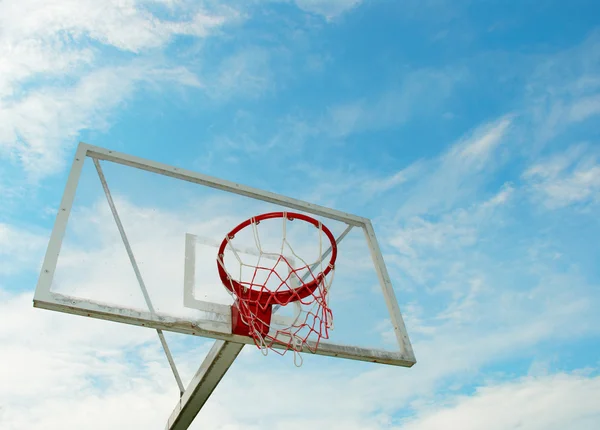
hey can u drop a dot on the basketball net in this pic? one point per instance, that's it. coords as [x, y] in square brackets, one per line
[274, 281]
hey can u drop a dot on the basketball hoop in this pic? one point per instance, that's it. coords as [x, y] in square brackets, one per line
[306, 285]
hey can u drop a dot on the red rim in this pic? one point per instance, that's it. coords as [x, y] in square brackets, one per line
[280, 296]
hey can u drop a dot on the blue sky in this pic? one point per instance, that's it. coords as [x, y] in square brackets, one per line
[467, 131]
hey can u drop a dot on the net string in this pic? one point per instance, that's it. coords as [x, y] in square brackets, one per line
[313, 318]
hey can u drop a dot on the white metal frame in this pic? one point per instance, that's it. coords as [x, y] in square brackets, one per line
[219, 325]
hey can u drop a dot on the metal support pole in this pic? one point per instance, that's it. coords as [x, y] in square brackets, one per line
[220, 357]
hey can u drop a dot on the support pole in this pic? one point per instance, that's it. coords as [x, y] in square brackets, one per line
[220, 357]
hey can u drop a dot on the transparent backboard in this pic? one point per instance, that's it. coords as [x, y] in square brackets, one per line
[136, 241]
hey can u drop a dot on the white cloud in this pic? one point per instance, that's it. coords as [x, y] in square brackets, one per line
[456, 174]
[418, 93]
[459, 258]
[20, 248]
[94, 373]
[376, 186]
[426, 186]
[32, 57]
[37, 129]
[585, 108]
[51, 37]
[564, 179]
[552, 402]
[456, 229]
[564, 91]
[488, 325]
[246, 73]
[59, 76]
[328, 8]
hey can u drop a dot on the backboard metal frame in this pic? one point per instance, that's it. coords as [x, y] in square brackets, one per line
[218, 326]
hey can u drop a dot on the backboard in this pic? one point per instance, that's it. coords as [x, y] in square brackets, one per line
[135, 241]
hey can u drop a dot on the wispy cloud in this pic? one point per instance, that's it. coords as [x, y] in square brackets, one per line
[564, 90]
[38, 128]
[329, 9]
[246, 73]
[418, 93]
[426, 186]
[568, 178]
[453, 228]
[458, 173]
[433, 249]
[376, 186]
[20, 249]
